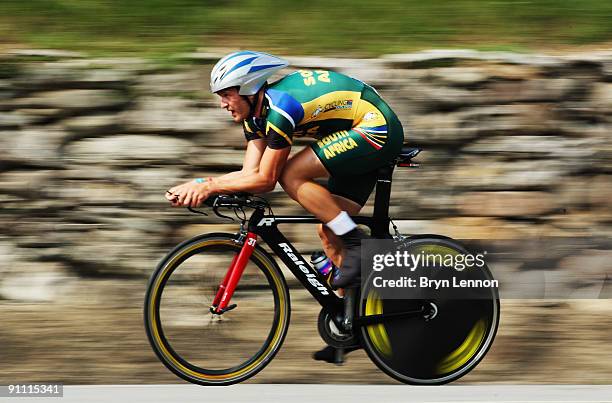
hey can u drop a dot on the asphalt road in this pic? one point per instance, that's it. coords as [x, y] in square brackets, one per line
[296, 393]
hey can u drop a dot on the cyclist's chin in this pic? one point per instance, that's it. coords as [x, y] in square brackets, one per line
[237, 117]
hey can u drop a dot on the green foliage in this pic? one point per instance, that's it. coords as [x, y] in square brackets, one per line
[356, 27]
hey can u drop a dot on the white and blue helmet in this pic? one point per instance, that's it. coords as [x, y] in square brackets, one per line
[247, 70]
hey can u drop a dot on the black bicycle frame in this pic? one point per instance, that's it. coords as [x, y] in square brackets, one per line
[265, 226]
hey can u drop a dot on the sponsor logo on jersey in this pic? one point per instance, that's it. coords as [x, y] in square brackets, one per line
[335, 105]
[317, 111]
[370, 116]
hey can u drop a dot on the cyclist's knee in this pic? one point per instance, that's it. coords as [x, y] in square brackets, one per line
[283, 180]
[289, 183]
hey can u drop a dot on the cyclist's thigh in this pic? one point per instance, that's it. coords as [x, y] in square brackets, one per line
[363, 149]
[351, 162]
[354, 188]
[304, 165]
[352, 158]
[344, 153]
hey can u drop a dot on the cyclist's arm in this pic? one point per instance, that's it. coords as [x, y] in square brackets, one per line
[259, 179]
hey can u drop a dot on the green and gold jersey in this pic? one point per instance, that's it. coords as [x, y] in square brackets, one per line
[314, 103]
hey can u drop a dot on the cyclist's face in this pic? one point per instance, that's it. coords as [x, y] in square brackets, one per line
[234, 103]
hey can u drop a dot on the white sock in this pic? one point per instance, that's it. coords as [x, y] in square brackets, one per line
[342, 224]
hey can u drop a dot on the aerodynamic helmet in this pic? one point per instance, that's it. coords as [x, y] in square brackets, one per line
[248, 70]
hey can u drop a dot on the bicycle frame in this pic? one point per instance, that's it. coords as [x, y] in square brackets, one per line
[265, 226]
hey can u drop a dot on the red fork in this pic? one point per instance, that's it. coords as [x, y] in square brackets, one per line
[223, 285]
[230, 281]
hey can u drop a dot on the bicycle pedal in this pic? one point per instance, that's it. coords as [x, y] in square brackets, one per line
[339, 356]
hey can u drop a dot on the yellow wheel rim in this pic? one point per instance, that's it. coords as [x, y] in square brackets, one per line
[465, 351]
[377, 333]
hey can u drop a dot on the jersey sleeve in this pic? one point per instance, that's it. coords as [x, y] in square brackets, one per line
[251, 131]
[284, 113]
[279, 131]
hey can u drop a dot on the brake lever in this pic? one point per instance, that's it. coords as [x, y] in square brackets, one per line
[196, 211]
[216, 211]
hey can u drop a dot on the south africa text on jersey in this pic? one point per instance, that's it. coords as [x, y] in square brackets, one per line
[336, 143]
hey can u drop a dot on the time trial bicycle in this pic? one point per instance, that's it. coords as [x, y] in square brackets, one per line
[217, 306]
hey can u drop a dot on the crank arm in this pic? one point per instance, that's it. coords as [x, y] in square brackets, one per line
[385, 317]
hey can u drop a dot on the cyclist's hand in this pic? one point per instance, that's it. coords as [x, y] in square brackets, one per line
[190, 194]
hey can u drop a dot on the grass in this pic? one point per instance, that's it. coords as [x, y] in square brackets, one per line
[158, 28]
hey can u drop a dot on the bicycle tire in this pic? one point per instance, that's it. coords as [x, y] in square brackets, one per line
[263, 264]
[395, 354]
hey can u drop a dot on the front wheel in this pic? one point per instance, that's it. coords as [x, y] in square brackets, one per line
[443, 343]
[206, 348]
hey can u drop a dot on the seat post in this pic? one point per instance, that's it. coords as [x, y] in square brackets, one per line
[381, 201]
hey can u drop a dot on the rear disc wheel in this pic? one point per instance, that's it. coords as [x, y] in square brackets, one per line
[442, 344]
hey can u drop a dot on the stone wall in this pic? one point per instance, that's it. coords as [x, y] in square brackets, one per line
[516, 147]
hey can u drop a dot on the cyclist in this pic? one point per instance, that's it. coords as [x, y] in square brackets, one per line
[356, 133]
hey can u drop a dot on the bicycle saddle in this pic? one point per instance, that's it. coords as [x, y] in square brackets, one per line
[406, 155]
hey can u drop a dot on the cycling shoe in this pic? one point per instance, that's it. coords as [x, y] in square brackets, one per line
[349, 273]
[330, 354]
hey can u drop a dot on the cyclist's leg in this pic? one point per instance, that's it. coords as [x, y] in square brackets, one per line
[353, 163]
[297, 179]
[340, 195]
[332, 245]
